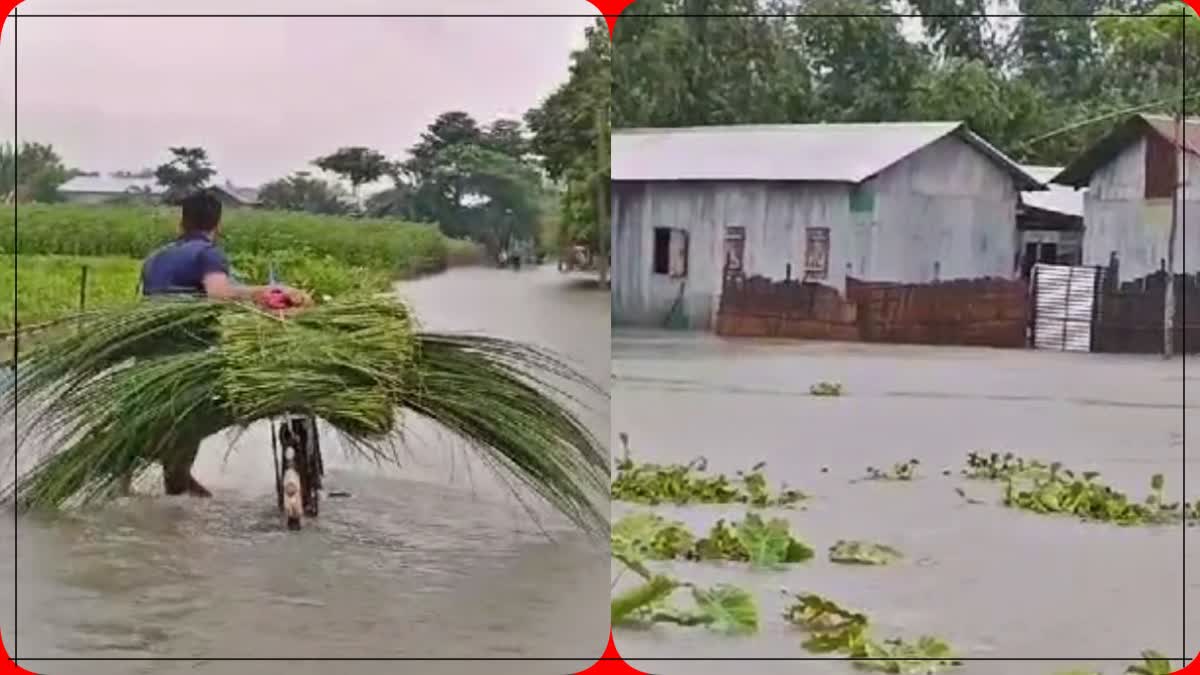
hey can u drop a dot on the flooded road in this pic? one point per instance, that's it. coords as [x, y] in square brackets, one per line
[993, 582]
[434, 559]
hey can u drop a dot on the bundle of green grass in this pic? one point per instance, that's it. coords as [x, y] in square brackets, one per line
[116, 390]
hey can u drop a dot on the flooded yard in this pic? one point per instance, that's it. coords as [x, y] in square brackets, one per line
[994, 582]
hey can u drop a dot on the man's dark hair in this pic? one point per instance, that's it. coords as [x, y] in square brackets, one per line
[201, 211]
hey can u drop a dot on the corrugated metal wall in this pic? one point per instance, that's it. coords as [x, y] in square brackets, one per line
[946, 208]
[774, 215]
[1118, 217]
[946, 212]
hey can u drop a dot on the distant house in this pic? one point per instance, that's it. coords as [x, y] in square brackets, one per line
[1130, 175]
[1049, 223]
[101, 189]
[232, 195]
[900, 202]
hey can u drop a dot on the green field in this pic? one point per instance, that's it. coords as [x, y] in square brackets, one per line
[49, 285]
[403, 249]
[329, 256]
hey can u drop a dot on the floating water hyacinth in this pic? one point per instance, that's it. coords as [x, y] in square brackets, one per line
[681, 484]
[761, 543]
[115, 391]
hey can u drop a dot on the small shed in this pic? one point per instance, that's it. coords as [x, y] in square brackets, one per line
[1131, 176]
[1049, 223]
[898, 202]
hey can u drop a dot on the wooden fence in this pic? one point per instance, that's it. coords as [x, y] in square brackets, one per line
[1129, 318]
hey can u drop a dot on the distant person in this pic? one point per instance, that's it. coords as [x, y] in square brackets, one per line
[194, 265]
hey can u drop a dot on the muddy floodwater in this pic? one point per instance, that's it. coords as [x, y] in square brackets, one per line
[434, 559]
[995, 583]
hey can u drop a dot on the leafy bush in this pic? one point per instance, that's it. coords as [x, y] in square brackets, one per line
[461, 252]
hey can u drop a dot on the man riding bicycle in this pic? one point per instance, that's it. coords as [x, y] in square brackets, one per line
[194, 265]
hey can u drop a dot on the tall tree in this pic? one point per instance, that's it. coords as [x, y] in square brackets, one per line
[34, 172]
[567, 129]
[504, 194]
[189, 170]
[863, 65]
[700, 70]
[1146, 56]
[960, 29]
[358, 165]
[438, 197]
[449, 128]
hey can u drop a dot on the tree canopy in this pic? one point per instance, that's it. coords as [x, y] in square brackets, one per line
[357, 164]
[188, 171]
[37, 170]
[302, 192]
[476, 181]
[1018, 82]
[571, 129]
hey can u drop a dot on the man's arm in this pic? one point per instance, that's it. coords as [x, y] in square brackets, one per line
[214, 270]
[218, 286]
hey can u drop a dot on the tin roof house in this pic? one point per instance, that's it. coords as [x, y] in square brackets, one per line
[898, 202]
[1131, 176]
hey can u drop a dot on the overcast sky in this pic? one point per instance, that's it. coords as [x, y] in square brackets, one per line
[265, 96]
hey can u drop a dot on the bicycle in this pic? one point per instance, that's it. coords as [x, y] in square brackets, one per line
[300, 435]
[295, 445]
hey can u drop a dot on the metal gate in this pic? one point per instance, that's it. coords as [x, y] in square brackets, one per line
[1064, 306]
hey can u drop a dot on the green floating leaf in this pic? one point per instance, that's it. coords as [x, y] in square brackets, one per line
[817, 614]
[762, 544]
[770, 543]
[730, 609]
[722, 608]
[835, 629]
[641, 599]
[863, 553]
[1153, 663]
[926, 655]
[649, 535]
